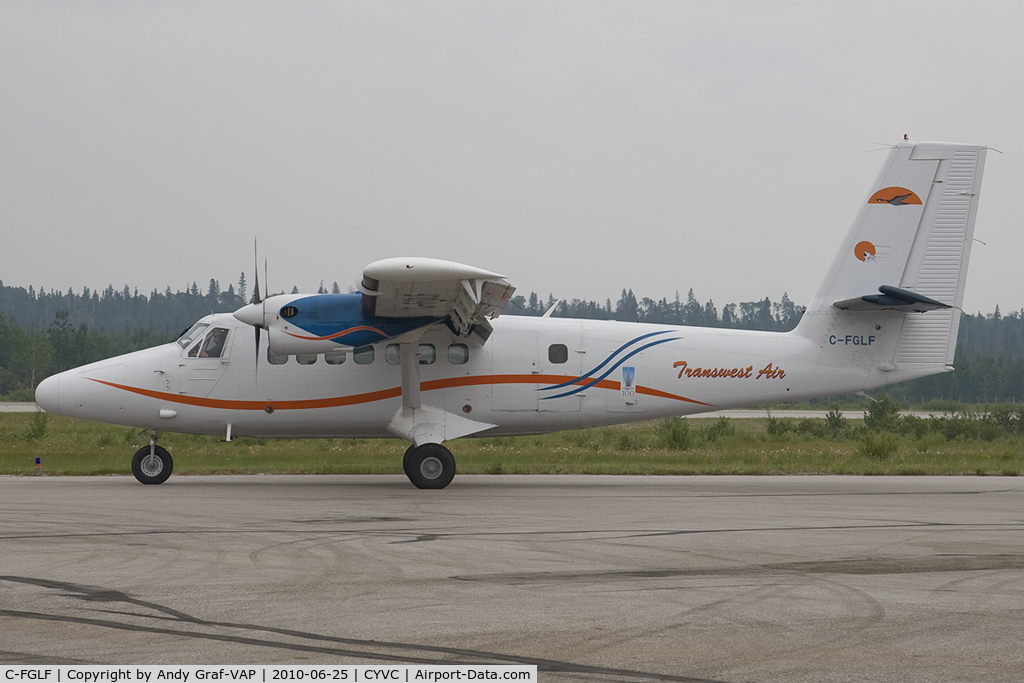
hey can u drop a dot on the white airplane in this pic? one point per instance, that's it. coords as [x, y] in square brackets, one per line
[420, 352]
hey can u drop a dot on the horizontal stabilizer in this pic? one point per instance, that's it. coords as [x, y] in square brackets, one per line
[891, 299]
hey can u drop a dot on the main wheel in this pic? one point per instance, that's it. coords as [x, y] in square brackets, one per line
[406, 459]
[431, 466]
[152, 467]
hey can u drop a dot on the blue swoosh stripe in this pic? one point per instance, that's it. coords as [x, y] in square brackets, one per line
[607, 360]
[610, 370]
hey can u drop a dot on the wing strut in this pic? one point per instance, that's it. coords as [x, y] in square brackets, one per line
[410, 355]
[420, 423]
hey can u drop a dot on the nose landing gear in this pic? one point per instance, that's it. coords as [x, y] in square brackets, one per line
[152, 464]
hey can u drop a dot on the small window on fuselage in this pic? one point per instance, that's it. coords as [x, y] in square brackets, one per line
[275, 359]
[393, 354]
[558, 353]
[363, 355]
[335, 357]
[428, 354]
[458, 354]
[306, 358]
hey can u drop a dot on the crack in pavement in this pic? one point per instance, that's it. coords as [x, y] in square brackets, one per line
[857, 566]
[99, 594]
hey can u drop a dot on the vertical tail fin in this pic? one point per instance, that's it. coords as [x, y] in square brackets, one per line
[897, 283]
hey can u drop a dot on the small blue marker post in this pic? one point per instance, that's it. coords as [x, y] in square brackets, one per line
[39, 467]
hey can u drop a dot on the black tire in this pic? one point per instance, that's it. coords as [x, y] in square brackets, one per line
[431, 466]
[153, 470]
[406, 458]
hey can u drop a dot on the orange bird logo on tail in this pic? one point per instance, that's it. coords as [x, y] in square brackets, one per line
[865, 251]
[897, 196]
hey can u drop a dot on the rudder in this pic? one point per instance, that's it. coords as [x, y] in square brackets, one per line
[903, 264]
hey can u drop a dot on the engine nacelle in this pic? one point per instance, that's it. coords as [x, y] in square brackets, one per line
[287, 340]
[321, 323]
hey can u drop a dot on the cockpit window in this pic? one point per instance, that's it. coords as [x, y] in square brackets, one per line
[213, 346]
[193, 333]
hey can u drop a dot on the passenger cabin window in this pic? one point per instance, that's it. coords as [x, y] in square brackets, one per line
[393, 354]
[363, 355]
[335, 357]
[306, 358]
[458, 354]
[213, 346]
[428, 354]
[275, 359]
[558, 353]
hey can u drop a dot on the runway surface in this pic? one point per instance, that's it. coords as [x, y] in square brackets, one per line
[590, 578]
[7, 407]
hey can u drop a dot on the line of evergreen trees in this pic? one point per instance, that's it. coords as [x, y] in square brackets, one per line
[765, 314]
[46, 332]
[124, 311]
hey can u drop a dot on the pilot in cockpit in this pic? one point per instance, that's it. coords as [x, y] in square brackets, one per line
[213, 347]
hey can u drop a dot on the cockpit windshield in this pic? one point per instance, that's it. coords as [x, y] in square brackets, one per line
[193, 333]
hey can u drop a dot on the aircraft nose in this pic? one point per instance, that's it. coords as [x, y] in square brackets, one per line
[48, 394]
[251, 314]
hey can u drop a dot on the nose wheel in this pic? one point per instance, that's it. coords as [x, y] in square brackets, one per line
[152, 464]
[430, 466]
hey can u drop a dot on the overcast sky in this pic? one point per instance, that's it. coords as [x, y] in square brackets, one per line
[575, 147]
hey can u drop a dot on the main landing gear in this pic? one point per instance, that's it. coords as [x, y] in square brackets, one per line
[429, 466]
[152, 464]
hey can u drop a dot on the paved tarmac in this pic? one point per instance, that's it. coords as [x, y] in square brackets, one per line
[9, 407]
[591, 578]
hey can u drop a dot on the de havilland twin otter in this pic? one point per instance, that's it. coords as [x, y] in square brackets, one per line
[420, 352]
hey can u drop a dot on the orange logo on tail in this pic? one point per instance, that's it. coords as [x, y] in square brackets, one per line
[897, 196]
[865, 251]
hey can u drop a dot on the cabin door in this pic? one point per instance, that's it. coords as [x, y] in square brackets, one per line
[204, 363]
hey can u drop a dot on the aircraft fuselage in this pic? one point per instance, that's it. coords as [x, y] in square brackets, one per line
[534, 375]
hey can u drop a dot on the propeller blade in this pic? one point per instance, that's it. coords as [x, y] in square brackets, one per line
[256, 268]
[257, 300]
[266, 285]
[257, 369]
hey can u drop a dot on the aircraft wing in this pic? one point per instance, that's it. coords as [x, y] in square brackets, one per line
[409, 287]
[397, 296]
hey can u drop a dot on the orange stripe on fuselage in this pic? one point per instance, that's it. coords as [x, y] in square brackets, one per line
[451, 382]
[371, 396]
[234, 404]
[350, 330]
[664, 394]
